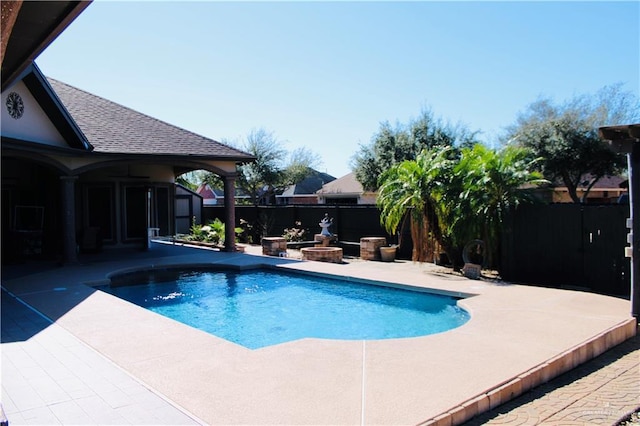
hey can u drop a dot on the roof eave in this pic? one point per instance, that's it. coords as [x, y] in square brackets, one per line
[26, 40]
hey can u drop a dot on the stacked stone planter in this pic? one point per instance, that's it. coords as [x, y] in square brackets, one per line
[322, 254]
[274, 246]
[370, 247]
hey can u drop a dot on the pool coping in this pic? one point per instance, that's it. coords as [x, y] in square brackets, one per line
[603, 323]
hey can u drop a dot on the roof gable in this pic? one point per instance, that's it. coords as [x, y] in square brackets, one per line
[347, 184]
[44, 119]
[207, 192]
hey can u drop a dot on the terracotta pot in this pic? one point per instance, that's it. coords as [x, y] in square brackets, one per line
[388, 254]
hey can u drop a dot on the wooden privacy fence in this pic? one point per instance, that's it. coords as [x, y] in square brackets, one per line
[350, 222]
[568, 245]
[555, 245]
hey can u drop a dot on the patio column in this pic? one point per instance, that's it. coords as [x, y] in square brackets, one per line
[626, 139]
[69, 243]
[230, 213]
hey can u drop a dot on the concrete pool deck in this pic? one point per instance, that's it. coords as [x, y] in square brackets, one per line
[518, 337]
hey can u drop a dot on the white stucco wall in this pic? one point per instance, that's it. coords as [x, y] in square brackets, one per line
[34, 125]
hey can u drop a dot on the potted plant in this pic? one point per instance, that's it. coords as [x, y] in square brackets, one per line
[388, 253]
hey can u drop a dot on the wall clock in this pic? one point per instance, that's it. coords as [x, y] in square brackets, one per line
[15, 106]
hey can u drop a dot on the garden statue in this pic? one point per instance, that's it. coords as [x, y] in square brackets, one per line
[325, 223]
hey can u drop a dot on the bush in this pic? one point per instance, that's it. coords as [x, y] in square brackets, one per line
[294, 234]
[211, 233]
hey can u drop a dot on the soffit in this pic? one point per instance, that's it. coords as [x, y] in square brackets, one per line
[36, 25]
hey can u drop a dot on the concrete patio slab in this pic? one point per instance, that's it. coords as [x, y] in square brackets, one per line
[518, 337]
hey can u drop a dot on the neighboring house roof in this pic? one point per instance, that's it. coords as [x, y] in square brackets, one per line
[605, 182]
[211, 193]
[309, 185]
[208, 193]
[190, 191]
[347, 184]
[113, 128]
[611, 182]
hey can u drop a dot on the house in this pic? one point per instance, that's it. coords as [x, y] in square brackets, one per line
[304, 192]
[74, 163]
[104, 165]
[607, 190]
[345, 190]
[210, 196]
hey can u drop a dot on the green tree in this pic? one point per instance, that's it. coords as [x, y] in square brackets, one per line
[486, 185]
[450, 200]
[274, 169]
[188, 180]
[260, 178]
[301, 163]
[392, 145]
[565, 136]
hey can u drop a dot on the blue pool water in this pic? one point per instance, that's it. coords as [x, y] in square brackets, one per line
[258, 308]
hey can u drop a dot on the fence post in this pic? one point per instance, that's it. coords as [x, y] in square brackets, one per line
[634, 208]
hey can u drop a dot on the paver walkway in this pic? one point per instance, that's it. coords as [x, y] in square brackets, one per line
[600, 392]
[49, 377]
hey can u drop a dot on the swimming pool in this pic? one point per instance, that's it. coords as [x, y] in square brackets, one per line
[263, 307]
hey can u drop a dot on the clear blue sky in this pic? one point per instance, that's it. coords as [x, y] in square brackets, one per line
[324, 75]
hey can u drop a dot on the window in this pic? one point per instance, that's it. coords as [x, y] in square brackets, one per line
[99, 210]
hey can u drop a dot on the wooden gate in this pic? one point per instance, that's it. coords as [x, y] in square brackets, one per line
[568, 245]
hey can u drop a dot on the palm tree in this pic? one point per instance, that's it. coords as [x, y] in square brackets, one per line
[493, 183]
[410, 190]
[451, 197]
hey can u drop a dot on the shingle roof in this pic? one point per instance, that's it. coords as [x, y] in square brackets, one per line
[610, 182]
[309, 185]
[605, 182]
[347, 184]
[113, 128]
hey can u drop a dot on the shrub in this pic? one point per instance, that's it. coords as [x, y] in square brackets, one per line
[294, 234]
[211, 233]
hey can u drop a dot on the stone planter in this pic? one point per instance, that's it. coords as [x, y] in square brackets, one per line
[273, 246]
[322, 254]
[370, 247]
[388, 254]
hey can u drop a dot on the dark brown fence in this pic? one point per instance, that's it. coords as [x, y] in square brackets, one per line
[350, 222]
[555, 245]
[568, 245]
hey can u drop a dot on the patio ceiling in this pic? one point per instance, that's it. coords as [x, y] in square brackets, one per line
[621, 138]
[28, 27]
